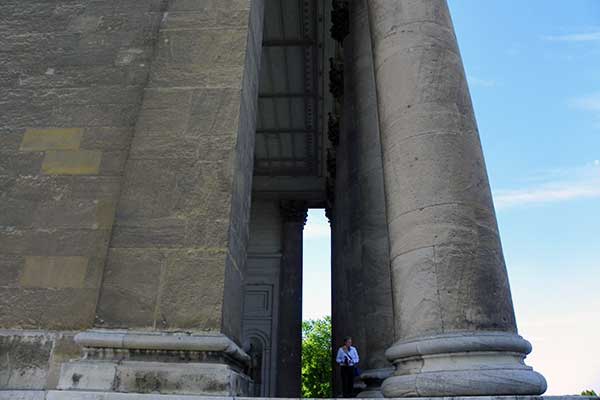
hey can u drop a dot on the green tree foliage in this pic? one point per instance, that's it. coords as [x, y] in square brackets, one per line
[316, 358]
[589, 393]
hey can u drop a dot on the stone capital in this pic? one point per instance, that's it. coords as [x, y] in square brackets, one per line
[294, 211]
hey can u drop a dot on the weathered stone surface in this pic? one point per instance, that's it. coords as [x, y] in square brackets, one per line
[448, 273]
[51, 139]
[362, 290]
[31, 359]
[165, 378]
[51, 309]
[54, 272]
[130, 288]
[72, 75]
[61, 395]
[186, 192]
[24, 361]
[289, 346]
[54, 242]
[22, 395]
[192, 278]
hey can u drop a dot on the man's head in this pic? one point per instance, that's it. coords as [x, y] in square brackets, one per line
[348, 341]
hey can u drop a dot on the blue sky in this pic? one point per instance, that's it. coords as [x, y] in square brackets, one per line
[534, 72]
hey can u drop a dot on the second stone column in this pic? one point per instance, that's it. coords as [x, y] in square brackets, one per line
[289, 348]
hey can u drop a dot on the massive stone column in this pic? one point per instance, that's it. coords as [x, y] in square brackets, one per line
[169, 315]
[455, 326]
[289, 348]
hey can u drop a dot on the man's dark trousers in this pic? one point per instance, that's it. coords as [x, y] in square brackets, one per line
[347, 381]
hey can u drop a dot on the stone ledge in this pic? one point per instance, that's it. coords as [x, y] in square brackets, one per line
[60, 395]
[161, 341]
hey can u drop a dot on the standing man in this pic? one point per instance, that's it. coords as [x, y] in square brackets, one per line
[347, 358]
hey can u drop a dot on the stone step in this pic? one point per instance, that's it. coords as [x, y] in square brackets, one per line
[82, 395]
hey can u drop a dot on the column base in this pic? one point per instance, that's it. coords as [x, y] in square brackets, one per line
[373, 378]
[462, 364]
[165, 363]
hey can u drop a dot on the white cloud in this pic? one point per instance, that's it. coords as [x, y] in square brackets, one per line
[474, 81]
[575, 37]
[554, 186]
[587, 103]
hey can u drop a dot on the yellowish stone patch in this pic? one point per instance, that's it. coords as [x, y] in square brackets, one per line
[105, 214]
[78, 162]
[54, 272]
[51, 139]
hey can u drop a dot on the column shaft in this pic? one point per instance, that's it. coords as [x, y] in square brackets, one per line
[289, 349]
[455, 325]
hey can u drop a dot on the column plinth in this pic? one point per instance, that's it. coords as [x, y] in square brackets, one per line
[157, 362]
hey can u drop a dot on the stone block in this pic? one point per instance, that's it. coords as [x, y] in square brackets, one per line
[207, 14]
[22, 395]
[24, 361]
[95, 376]
[215, 112]
[81, 162]
[164, 111]
[433, 169]
[17, 212]
[11, 138]
[208, 231]
[134, 74]
[165, 74]
[38, 308]
[415, 274]
[89, 187]
[130, 287]
[105, 214]
[54, 272]
[149, 233]
[63, 350]
[12, 268]
[203, 47]
[56, 189]
[54, 242]
[209, 5]
[181, 189]
[157, 145]
[14, 164]
[67, 213]
[113, 163]
[192, 278]
[106, 138]
[51, 139]
[94, 115]
[146, 379]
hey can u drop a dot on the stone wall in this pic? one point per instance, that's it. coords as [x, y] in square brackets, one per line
[126, 151]
[177, 255]
[72, 75]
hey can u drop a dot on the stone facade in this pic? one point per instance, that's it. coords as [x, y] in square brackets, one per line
[157, 160]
